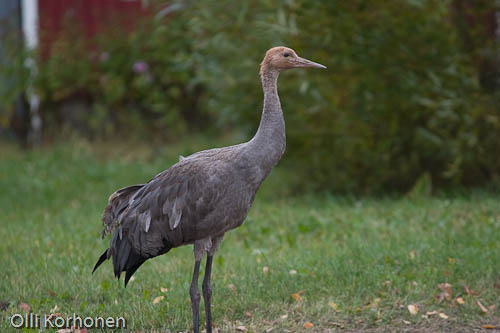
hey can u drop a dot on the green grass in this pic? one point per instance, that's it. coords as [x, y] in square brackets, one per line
[371, 257]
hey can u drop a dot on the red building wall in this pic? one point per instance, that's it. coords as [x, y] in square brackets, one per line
[91, 16]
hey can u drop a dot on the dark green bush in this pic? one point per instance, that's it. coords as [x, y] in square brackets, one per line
[400, 99]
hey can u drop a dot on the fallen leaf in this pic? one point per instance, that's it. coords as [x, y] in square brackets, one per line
[284, 316]
[413, 309]
[445, 291]
[297, 297]
[442, 315]
[468, 291]
[248, 314]
[231, 287]
[431, 313]
[460, 300]
[116, 301]
[24, 307]
[265, 269]
[241, 328]
[375, 302]
[292, 272]
[412, 254]
[163, 290]
[452, 260]
[406, 322]
[489, 327]
[308, 325]
[482, 307]
[51, 293]
[158, 299]
[492, 307]
[333, 306]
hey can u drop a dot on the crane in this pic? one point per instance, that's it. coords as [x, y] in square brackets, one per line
[200, 198]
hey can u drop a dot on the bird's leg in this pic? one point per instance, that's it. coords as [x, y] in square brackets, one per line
[207, 293]
[195, 297]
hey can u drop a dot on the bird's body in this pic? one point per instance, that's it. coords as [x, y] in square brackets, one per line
[200, 198]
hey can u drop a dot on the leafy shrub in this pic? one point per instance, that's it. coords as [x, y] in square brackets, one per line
[400, 99]
[127, 82]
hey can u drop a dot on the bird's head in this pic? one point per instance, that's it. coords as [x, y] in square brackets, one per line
[281, 58]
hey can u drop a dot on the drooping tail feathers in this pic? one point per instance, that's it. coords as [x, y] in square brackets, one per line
[121, 250]
[125, 259]
[117, 203]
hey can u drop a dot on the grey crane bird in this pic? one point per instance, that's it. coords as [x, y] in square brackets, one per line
[200, 198]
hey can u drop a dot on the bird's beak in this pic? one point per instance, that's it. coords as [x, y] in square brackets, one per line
[301, 62]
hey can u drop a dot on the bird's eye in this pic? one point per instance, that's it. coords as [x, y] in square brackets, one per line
[286, 54]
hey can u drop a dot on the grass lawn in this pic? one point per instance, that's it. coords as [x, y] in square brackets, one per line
[309, 263]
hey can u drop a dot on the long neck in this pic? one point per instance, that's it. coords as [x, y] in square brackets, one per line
[270, 138]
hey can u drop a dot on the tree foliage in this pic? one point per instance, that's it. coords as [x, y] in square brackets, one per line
[400, 100]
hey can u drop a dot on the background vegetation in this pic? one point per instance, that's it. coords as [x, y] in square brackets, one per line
[404, 97]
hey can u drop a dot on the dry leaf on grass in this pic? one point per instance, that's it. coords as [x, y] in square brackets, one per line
[460, 300]
[430, 313]
[24, 307]
[413, 309]
[442, 315]
[158, 299]
[163, 290]
[292, 272]
[482, 307]
[492, 307]
[231, 287]
[445, 291]
[308, 325]
[333, 306]
[406, 322]
[468, 291]
[265, 269]
[241, 328]
[412, 254]
[284, 316]
[489, 327]
[296, 296]
[248, 314]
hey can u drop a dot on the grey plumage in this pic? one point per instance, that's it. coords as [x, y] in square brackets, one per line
[201, 197]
